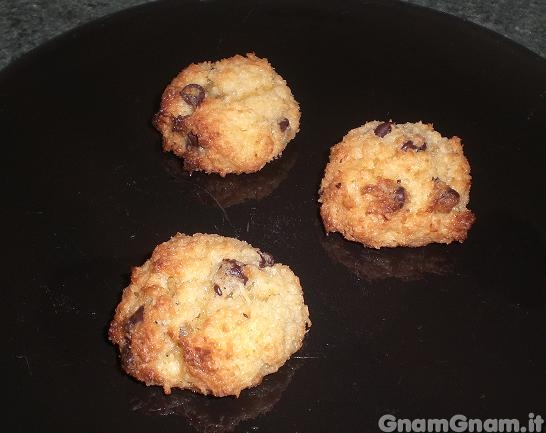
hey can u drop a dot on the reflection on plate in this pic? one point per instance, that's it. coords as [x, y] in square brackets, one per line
[235, 189]
[218, 415]
[400, 263]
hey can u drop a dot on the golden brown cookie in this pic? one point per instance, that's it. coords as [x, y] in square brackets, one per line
[230, 116]
[208, 313]
[389, 185]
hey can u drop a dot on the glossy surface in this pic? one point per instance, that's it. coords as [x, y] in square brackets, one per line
[419, 333]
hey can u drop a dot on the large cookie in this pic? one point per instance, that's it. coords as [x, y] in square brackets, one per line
[208, 313]
[389, 185]
[230, 116]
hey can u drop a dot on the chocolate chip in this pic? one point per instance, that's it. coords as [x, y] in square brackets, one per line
[192, 141]
[266, 260]
[386, 196]
[217, 290]
[193, 94]
[179, 124]
[444, 198]
[284, 124]
[127, 358]
[383, 129]
[409, 145]
[135, 318]
[235, 269]
[399, 198]
[447, 200]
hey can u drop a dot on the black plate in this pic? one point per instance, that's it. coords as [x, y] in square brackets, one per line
[418, 333]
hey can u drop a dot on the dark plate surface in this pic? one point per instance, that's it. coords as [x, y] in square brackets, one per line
[418, 333]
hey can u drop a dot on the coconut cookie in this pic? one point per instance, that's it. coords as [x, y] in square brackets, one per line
[208, 313]
[230, 116]
[389, 185]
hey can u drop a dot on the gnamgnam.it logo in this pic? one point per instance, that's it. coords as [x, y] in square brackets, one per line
[460, 423]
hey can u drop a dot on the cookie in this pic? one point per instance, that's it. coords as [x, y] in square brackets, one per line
[389, 185]
[208, 313]
[230, 116]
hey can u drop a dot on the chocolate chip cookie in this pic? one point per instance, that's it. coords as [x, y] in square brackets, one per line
[389, 185]
[208, 313]
[229, 116]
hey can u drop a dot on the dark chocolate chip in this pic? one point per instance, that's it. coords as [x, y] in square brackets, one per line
[236, 269]
[444, 198]
[382, 129]
[399, 198]
[178, 124]
[409, 145]
[192, 141]
[135, 318]
[266, 260]
[447, 200]
[284, 124]
[193, 94]
[217, 290]
[386, 196]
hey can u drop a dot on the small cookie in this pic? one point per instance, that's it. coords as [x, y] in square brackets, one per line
[389, 185]
[230, 116]
[208, 313]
